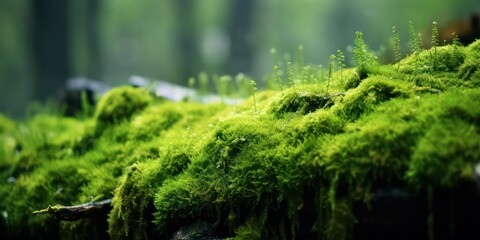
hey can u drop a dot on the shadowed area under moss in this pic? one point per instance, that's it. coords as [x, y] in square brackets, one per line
[310, 162]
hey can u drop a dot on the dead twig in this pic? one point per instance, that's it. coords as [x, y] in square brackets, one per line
[73, 213]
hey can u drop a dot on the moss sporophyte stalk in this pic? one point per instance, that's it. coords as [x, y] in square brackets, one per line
[369, 152]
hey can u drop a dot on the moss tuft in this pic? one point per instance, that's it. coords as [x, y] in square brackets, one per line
[119, 104]
[321, 122]
[370, 93]
[447, 59]
[353, 81]
[300, 102]
[469, 70]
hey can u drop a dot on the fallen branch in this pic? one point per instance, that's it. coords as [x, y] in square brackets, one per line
[73, 213]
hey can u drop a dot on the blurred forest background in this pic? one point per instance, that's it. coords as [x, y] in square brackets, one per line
[45, 42]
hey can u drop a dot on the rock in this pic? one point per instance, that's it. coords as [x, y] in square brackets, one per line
[199, 230]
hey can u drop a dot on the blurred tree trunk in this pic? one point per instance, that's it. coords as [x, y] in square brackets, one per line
[84, 39]
[241, 36]
[187, 43]
[94, 58]
[50, 47]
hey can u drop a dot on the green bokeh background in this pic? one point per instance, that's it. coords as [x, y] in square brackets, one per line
[173, 40]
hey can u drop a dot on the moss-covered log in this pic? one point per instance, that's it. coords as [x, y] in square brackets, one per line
[391, 157]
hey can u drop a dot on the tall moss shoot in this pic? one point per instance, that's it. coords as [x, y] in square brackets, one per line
[277, 77]
[341, 63]
[434, 43]
[396, 46]
[361, 55]
[291, 77]
[253, 86]
[330, 70]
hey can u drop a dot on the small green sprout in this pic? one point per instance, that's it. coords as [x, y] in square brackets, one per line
[253, 86]
[414, 43]
[307, 74]
[330, 70]
[320, 74]
[290, 74]
[413, 39]
[341, 63]
[434, 34]
[420, 40]
[456, 42]
[434, 44]
[396, 46]
[361, 56]
[277, 77]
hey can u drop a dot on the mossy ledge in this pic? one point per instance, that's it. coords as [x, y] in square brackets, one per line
[390, 155]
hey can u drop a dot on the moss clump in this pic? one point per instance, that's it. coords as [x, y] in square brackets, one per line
[299, 163]
[301, 102]
[119, 104]
[447, 59]
[369, 93]
[469, 72]
[321, 122]
[445, 154]
[353, 81]
[133, 198]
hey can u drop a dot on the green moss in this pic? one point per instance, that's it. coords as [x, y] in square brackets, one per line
[300, 102]
[6, 125]
[371, 92]
[133, 198]
[448, 59]
[285, 165]
[119, 104]
[154, 121]
[252, 229]
[426, 80]
[449, 147]
[320, 122]
[445, 154]
[469, 71]
[352, 82]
